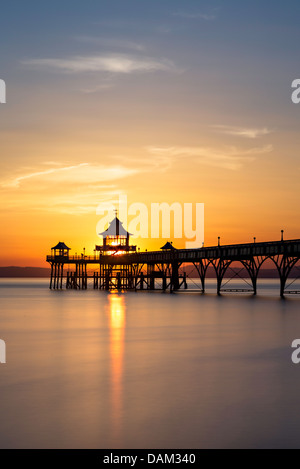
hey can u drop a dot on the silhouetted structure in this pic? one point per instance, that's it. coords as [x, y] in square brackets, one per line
[115, 243]
[60, 250]
[115, 238]
[120, 267]
[168, 247]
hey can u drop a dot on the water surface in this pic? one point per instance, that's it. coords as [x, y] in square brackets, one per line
[90, 369]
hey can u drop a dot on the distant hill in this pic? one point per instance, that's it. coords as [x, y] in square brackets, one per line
[24, 272]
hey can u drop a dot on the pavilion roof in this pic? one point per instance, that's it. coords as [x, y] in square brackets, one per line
[115, 229]
[168, 245]
[61, 246]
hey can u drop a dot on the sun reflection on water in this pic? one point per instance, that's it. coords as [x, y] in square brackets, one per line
[117, 332]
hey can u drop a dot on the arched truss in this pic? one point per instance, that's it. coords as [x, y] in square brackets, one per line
[222, 265]
[284, 265]
[252, 269]
[201, 267]
[291, 281]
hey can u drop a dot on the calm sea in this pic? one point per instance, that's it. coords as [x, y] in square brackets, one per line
[89, 369]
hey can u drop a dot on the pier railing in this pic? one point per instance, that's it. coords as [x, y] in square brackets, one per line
[66, 259]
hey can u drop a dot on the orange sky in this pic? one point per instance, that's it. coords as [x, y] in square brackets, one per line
[187, 112]
[56, 198]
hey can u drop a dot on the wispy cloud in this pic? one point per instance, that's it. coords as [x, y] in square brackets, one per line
[229, 158]
[97, 88]
[110, 43]
[195, 15]
[112, 63]
[83, 173]
[79, 203]
[245, 132]
[69, 200]
[15, 182]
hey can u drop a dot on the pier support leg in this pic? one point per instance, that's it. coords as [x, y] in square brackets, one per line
[202, 278]
[95, 280]
[85, 277]
[76, 278]
[175, 276]
[164, 282]
[220, 266]
[202, 269]
[284, 266]
[61, 276]
[51, 278]
[107, 281]
[119, 286]
[184, 281]
[219, 284]
[282, 285]
[55, 275]
[254, 283]
[58, 276]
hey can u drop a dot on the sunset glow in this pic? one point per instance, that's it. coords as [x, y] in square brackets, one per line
[186, 109]
[116, 312]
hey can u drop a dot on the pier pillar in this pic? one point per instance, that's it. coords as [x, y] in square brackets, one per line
[61, 276]
[220, 267]
[175, 276]
[55, 275]
[85, 276]
[254, 284]
[96, 280]
[107, 280]
[150, 277]
[202, 278]
[51, 278]
[219, 284]
[58, 276]
[164, 281]
[130, 281]
[202, 269]
[76, 277]
[119, 285]
[184, 281]
[283, 279]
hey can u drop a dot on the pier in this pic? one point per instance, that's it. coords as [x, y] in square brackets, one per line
[118, 266]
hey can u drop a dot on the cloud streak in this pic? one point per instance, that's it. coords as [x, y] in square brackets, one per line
[231, 158]
[251, 133]
[83, 173]
[112, 63]
[14, 183]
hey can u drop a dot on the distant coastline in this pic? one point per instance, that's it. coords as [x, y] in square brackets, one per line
[24, 272]
[44, 272]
